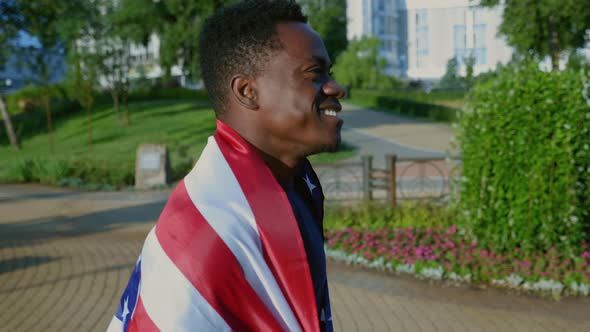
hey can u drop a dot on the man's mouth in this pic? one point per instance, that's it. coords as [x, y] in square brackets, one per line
[329, 112]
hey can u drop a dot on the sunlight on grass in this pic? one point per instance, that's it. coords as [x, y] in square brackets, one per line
[183, 126]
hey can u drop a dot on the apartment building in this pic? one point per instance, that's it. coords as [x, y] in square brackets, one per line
[420, 36]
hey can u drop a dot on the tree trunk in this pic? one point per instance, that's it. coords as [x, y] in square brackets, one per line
[115, 97]
[47, 106]
[553, 44]
[88, 106]
[126, 106]
[8, 124]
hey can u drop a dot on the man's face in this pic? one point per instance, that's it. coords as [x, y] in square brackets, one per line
[298, 98]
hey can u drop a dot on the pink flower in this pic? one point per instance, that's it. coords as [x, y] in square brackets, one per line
[452, 230]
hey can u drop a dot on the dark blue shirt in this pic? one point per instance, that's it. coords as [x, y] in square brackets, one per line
[311, 234]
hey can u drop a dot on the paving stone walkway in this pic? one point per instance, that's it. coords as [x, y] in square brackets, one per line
[66, 256]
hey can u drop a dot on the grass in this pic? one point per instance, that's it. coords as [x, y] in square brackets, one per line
[183, 126]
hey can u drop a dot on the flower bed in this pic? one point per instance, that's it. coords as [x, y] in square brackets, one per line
[437, 253]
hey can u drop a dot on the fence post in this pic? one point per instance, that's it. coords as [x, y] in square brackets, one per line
[392, 193]
[367, 177]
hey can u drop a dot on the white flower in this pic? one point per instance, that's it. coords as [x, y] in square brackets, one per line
[433, 273]
[567, 126]
[406, 268]
[514, 280]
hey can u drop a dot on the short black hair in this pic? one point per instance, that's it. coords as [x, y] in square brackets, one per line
[239, 39]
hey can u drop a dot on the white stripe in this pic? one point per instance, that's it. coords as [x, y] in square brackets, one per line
[169, 299]
[216, 193]
[115, 326]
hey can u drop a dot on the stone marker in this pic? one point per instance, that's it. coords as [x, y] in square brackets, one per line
[152, 166]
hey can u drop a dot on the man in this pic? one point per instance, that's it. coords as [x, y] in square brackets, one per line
[239, 245]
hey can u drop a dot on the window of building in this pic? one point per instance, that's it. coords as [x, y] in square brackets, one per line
[421, 37]
[380, 24]
[479, 44]
[460, 43]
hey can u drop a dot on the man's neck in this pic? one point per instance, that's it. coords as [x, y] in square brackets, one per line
[283, 166]
[283, 172]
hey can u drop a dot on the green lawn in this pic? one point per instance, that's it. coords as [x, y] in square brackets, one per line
[182, 125]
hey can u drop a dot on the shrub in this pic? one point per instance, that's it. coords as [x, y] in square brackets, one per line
[71, 171]
[526, 153]
[166, 94]
[407, 103]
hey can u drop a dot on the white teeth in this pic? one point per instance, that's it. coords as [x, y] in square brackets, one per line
[329, 112]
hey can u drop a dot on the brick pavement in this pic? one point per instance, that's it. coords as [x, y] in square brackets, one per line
[65, 258]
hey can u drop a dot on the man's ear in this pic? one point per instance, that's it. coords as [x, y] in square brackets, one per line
[244, 90]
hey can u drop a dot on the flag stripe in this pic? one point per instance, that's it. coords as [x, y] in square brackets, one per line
[116, 325]
[277, 226]
[168, 298]
[141, 322]
[212, 178]
[209, 265]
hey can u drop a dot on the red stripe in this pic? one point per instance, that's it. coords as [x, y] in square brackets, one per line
[279, 233]
[141, 321]
[210, 266]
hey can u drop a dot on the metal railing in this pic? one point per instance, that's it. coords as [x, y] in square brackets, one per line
[401, 179]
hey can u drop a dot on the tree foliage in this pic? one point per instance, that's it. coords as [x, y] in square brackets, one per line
[328, 19]
[360, 66]
[544, 27]
[176, 22]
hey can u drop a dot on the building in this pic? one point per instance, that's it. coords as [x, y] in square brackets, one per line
[420, 36]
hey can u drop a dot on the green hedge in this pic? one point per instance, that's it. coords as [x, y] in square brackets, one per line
[526, 152]
[69, 171]
[410, 103]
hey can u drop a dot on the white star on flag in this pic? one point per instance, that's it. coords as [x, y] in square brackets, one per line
[310, 185]
[125, 309]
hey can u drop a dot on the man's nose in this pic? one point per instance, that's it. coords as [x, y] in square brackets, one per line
[331, 88]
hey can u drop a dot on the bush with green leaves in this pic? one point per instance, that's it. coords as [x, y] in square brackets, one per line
[412, 104]
[526, 151]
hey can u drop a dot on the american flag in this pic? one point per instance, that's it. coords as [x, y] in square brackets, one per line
[226, 253]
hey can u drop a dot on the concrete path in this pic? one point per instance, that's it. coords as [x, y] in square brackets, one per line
[378, 134]
[66, 256]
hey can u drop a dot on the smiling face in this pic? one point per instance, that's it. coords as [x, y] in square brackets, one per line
[297, 97]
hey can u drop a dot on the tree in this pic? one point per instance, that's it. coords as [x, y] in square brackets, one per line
[328, 18]
[114, 59]
[10, 22]
[41, 19]
[176, 22]
[451, 78]
[544, 27]
[360, 65]
[469, 70]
